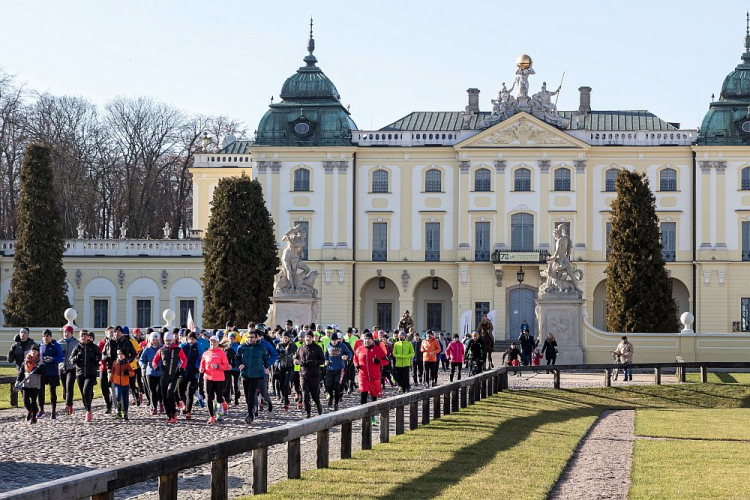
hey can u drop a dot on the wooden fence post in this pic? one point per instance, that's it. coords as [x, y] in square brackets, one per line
[109, 495]
[322, 449]
[490, 386]
[657, 376]
[13, 395]
[464, 392]
[367, 433]
[220, 479]
[472, 393]
[168, 487]
[399, 420]
[683, 375]
[346, 440]
[484, 389]
[385, 426]
[607, 377]
[413, 415]
[447, 403]
[260, 470]
[436, 407]
[704, 374]
[294, 459]
[426, 411]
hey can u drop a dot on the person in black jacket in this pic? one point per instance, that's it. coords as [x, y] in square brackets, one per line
[549, 350]
[417, 364]
[118, 342]
[17, 353]
[287, 351]
[86, 358]
[475, 353]
[310, 357]
[511, 355]
[527, 347]
[188, 382]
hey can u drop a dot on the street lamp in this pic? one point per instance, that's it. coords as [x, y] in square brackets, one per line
[519, 276]
[381, 283]
[435, 283]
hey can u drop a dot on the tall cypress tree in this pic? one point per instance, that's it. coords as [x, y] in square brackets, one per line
[239, 254]
[639, 294]
[38, 290]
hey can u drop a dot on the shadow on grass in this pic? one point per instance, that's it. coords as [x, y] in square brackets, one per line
[470, 459]
[726, 378]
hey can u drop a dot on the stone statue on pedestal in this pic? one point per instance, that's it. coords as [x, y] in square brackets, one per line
[295, 276]
[124, 229]
[167, 230]
[81, 230]
[561, 276]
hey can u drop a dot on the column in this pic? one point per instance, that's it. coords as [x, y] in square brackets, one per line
[344, 201]
[705, 202]
[581, 215]
[275, 195]
[463, 217]
[329, 214]
[544, 193]
[500, 203]
[720, 167]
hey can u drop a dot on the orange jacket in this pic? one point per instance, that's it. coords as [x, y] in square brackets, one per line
[121, 373]
[430, 349]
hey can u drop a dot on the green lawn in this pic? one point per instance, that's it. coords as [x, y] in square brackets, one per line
[465, 455]
[720, 424]
[721, 378]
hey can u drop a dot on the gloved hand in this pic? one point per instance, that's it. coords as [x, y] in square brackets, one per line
[48, 359]
[376, 361]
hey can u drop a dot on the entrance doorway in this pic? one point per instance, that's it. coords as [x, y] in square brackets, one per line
[521, 308]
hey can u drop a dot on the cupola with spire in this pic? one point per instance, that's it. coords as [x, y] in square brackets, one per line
[727, 121]
[310, 112]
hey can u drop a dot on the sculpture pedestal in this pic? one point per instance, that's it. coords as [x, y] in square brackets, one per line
[300, 309]
[563, 317]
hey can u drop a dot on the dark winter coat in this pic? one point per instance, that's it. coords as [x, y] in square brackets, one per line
[86, 358]
[310, 358]
[53, 352]
[527, 343]
[111, 346]
[550, 349]
[18, 352]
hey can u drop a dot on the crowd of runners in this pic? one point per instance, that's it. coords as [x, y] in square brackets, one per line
[176, 371]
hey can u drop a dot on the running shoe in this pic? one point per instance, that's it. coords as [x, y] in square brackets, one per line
[69, 410]
[125, 417]
[33, 419]
[211, 420]
[335, 407]
[270, 407]
[172, 420]
[109, 410]
[188, 416]
[374, 421]
[249, 419]
[286, 407]
[54, 415]
[161, 408]
[180, 405]
[299, 405]
[225, 406]
[89, 417]
[153, 411]
[41, 414]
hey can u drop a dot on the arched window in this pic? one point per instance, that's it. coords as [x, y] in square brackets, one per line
[668, 180]
[482, 180]
[611, 179]
[302, 179]
[522, 179]
[562, 179]
[380, 181]
[522, 232]
[433, 182]
[746, 178]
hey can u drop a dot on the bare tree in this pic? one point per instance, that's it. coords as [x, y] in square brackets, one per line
[12, 144]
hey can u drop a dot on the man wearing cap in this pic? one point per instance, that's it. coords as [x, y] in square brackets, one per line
[625, 351]
[68, 369]
[336, 354]
[51, 355]
[19, 350]
[310, 358]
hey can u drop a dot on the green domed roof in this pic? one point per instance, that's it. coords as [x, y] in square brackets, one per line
[310, 113]
[727, 122]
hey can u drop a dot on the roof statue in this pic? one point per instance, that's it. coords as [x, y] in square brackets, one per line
[539, 104]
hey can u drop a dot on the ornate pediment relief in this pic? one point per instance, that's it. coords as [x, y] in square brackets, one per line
[523, 132]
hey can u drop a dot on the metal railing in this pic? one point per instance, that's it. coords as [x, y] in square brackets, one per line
[427, 404]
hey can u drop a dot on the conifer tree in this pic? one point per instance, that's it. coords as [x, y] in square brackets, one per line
[239, 254]
[37, 294]
[639, 294]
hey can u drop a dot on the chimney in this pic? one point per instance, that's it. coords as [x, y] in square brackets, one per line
[473, 106]
[585, 103]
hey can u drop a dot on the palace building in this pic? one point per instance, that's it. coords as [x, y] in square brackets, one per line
[449, 214]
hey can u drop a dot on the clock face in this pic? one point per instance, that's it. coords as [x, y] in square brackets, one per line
[301, 128]
[746, 127]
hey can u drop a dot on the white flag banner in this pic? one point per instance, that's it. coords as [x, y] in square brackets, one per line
[466, 325]
[190, 322]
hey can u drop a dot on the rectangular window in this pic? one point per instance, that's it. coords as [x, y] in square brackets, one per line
[101, 313]
[745, 240]
[385, 315]
[432, 242]
[745, 315]
[435, 316]
[482, 241]
[668, 233]
[305, 226]
[480, 309]
[606, 236]
[379, 241]
[185, 306]
[143, 313]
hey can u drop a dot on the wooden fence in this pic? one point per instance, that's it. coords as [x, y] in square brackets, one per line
[101, 484]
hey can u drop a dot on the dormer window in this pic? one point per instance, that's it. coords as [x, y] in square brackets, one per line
[302, 128]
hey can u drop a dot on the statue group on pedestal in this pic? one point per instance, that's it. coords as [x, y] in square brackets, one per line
[561, 276]
[294, 277]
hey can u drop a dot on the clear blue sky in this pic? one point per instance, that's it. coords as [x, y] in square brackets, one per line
[386, 58]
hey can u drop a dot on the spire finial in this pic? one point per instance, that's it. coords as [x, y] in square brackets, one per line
[747, 32]
[747, 28]
[310, 58]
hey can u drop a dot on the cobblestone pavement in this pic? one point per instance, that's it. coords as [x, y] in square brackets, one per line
[68, 445]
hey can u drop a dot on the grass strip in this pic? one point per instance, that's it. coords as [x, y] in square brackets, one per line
[720, 378]
[719, 424]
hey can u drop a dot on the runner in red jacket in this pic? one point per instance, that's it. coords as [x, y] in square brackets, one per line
[368, 360]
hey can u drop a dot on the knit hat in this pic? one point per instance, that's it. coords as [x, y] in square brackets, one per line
[125, 330]
[368, 335]
[153, 336]
[214, 337]
[334, 336]
[68, 328]
[169, 336]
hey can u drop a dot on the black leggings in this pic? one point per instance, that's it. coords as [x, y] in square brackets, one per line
[418, 367]
[214, 390]
[134, 388]
[250, 386]
[285, 378]
[363, 397]
[455, 365]
[333, 385]
[168, 387]
[232, 385]
[104, 384]
[187, 390]
[154, 390]
[53, 382]
[431, 371]
[311, 390]
[551, 361]
[29, 400]
[86, 386]
[69, 381]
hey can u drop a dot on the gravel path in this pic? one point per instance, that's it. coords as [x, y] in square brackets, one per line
[68, 445]
[600, 467]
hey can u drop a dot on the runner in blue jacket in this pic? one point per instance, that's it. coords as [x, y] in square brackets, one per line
[336, 355]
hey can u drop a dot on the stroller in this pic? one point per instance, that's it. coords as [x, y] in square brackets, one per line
[618, 364]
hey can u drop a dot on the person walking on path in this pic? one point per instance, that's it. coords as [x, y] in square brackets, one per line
[153, 374]
[86, 358]
[403, 353]
[189, 380]
[68, 369]
[310, 357]
[475, 354]
[455, 353]
[171, 359]
[103, 370]
[549, 349]
[336, 356]
[19, 350]
[286, 350]
[51, 356]
[368, 360]
[119, 377]
[430, 351]
[253, 361]
[418, 359]
[527, 346]
[31, 383]
[214, 364]
[625, 351]
[511, 357]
